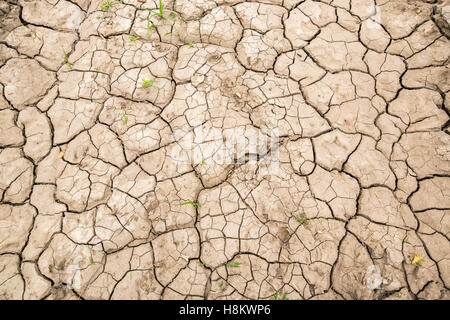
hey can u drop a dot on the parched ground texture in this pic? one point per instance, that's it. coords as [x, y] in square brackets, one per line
[359, 91]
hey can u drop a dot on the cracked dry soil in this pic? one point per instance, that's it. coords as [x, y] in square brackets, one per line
[90, 192]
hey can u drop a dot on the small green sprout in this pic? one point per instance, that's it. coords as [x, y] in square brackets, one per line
[66, 58]
[234, 264]
[91, 261]
[149, 27]
[96, 69]
[190, 43]
[148, 83]
[133, 38]
[302, 220]
[201, 264]
[161, 8]
[406, 240]
[160, 13]
[202, 162]
[125, 118]
[276, 296]
[106, 5]
[191, 202]
[220, 284]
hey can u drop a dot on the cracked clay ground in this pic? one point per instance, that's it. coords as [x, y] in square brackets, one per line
[93, 195]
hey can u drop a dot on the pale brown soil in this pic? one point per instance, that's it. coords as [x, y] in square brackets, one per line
[91, 192]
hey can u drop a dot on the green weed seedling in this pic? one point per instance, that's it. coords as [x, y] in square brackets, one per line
[106, 5]
[201, 162]
[66, 58]
[150, 25]
[200, 165]
[160, 14]
[229, 173]
[234, 264]
[220, 284]
[125, 118]
[133, 38]
[192, 203]
[148, 83]
[161, 10]
[302, 220]
[277, 297]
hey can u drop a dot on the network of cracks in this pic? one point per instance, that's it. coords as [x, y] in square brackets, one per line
[96, 202]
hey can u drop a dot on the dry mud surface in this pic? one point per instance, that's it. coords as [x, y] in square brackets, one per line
[92, 184]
